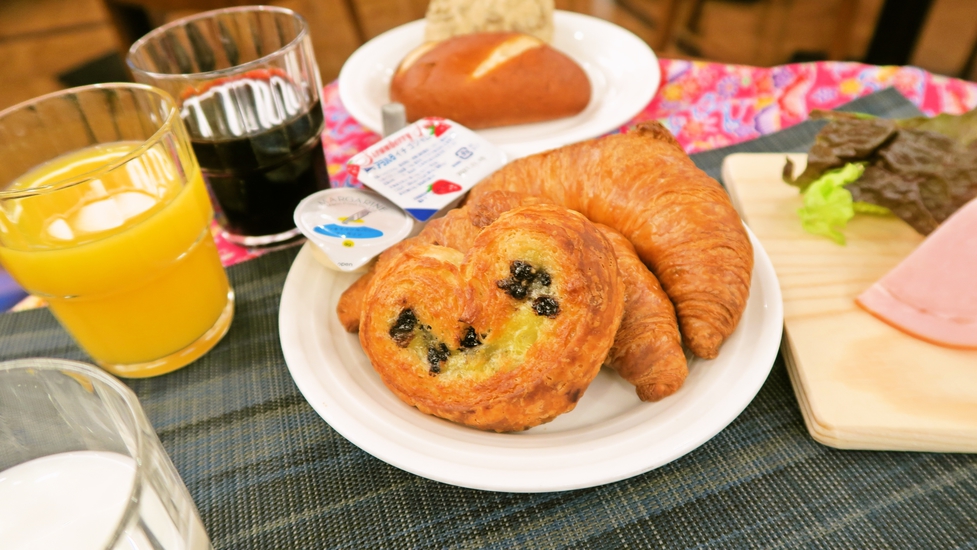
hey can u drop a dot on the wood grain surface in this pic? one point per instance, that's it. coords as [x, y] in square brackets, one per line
[861, 383]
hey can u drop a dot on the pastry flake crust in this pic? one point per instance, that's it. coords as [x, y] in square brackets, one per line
[647, 350]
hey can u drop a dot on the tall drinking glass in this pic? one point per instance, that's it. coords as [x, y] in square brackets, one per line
[82, 468]
[248, 86]
[104, 214]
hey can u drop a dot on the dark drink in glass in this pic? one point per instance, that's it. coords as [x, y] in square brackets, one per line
[258, 180]
[248, 88]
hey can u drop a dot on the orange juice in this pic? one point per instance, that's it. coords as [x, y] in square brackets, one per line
[124, 257]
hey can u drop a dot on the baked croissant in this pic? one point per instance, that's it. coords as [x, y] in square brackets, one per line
[680, 221]
[504, 337]
[647, 350]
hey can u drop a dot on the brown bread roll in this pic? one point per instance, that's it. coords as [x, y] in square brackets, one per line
[489, 79]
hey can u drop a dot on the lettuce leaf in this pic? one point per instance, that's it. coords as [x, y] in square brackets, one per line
[828, 205]
[920, 169]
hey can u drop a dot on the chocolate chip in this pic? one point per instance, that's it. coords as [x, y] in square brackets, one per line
[516, 289]
[402, 330]
[470, 339]
[437, 354]
[521, 271]
[524, 278]
[546, 306]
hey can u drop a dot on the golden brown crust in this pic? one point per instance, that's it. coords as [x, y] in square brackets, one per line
[532, 362]
[453, 230]
[489, 206]
[647, 349]
[536, 84]
[680, 221]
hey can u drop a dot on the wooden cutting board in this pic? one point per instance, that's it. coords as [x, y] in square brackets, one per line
[861, 384]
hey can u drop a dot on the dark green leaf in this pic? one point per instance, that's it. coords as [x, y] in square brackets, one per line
[922, 169]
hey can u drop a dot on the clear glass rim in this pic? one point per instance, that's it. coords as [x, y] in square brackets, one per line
[164, 128]
[131, 401]
[217, 73]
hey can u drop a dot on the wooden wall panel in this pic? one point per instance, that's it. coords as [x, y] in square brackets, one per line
[948, 38]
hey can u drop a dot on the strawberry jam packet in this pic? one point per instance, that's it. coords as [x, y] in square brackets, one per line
[426, 167]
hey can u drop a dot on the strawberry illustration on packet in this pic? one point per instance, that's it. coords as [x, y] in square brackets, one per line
[444, 187]
[437, 126]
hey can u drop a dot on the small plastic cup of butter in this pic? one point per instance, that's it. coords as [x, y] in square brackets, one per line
[410, 177]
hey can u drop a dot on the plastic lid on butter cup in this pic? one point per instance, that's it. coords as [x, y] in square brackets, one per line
[350, 227]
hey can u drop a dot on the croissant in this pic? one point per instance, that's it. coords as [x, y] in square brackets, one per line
[680, 221]
[504, 337]
[647, 349]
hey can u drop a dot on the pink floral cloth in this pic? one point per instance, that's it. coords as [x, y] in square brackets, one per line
[707, 105]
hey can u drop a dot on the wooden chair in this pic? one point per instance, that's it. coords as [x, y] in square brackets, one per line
[681, 28]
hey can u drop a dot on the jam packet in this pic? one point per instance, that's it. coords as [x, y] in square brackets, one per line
[427, 167]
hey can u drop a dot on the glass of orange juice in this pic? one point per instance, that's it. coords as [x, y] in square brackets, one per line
[104, 214]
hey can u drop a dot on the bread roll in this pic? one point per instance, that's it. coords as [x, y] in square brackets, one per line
[489, 79]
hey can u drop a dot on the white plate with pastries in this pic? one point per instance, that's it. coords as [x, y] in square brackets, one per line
[623, 71]
[611, 435]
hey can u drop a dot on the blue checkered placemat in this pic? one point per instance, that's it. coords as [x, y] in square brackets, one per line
[267, 472]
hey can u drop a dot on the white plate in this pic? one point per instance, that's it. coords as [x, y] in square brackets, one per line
[623, 71]
[611, 435]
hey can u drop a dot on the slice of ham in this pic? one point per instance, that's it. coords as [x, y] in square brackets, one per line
[932, 293]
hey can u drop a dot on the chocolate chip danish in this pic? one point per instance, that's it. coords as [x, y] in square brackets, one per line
[503, 337]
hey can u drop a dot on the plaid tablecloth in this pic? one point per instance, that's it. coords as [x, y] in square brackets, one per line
[267, 472]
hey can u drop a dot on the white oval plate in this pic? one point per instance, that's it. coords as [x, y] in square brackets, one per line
[611, 435]
[623, 71]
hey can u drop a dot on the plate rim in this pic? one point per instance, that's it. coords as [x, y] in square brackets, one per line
[643, 56]
[404, 457]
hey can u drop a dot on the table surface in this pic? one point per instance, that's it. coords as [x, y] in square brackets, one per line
[267, 472]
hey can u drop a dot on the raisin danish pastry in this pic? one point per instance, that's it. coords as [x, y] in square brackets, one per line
[504, 337]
